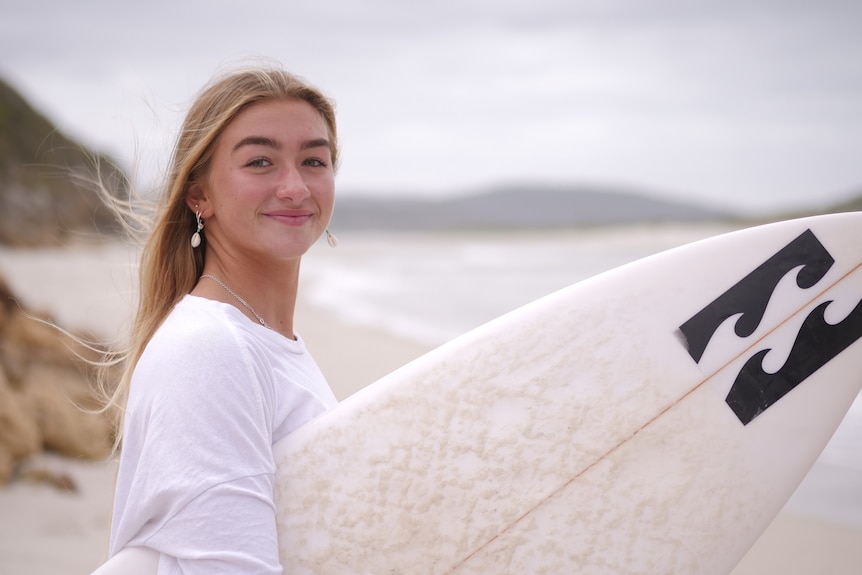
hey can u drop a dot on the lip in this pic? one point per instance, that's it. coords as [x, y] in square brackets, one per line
[290, 217]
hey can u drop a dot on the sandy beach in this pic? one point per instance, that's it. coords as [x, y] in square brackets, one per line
[44, 530]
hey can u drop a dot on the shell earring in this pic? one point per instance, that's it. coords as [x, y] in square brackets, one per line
[196, 237]
[331, 239]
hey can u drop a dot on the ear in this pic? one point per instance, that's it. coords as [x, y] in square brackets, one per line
[196, 198]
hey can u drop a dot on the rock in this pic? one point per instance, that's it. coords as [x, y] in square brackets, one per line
[59, 402]
[19, 434]
[60, 481]
[48, 400]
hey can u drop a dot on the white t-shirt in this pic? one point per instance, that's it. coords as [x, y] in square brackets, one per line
[211, 394]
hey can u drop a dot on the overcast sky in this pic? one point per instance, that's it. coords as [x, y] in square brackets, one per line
[749, 104]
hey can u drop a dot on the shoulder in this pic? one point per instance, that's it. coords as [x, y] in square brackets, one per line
[197, 323]
[200, 348]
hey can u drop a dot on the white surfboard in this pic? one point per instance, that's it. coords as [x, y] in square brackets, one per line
[131, 561]
[652, 419]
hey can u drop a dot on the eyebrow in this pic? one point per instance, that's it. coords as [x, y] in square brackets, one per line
[317, 143]
[257, 141]
[275, 144]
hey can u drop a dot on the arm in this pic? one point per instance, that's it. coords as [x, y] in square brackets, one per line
[196, 472]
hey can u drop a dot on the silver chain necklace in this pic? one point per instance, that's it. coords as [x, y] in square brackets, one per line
[238, 298]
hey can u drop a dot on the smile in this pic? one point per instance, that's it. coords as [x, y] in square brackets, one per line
[290, 217]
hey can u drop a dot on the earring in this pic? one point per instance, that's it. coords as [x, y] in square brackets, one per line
[331, 239]
[196, 237]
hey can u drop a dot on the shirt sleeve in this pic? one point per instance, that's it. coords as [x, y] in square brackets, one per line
[228, 529]
[196, 473]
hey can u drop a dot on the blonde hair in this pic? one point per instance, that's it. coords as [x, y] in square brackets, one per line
[169, 266]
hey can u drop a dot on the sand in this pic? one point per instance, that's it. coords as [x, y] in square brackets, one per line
[44, 530]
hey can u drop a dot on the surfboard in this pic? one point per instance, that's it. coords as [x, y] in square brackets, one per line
[652, 419]
[131, 561]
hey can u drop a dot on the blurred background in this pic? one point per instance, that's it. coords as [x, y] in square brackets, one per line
[493, 151]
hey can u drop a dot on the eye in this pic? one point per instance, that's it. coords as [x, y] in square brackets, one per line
[314, 162]
[259, 163]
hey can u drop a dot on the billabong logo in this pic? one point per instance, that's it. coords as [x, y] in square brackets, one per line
[818, 342]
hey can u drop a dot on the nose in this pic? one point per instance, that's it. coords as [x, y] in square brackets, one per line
[292, 186]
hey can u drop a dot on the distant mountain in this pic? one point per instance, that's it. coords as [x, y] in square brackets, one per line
[40, 204]
[852, 205]
[509, 207]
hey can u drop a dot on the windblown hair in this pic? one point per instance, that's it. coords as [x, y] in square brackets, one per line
[169, 266]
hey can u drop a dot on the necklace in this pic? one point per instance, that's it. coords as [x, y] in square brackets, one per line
[238, 298]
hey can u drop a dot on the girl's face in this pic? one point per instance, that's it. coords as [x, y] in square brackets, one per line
[270, 189]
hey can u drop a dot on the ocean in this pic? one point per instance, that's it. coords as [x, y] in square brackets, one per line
[434, 287]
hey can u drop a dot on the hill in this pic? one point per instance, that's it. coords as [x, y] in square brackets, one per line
[509, 207]
[40, 203]
[852, 205]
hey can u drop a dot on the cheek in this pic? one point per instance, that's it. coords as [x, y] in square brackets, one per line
[325, 195]
[243, 192]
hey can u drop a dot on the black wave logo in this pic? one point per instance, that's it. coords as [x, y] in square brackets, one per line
[817, 342]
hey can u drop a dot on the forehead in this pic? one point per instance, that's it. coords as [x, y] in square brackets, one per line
[284, 119]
